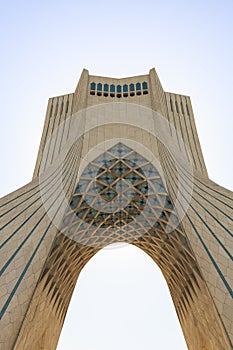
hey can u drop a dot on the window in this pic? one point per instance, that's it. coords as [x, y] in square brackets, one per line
[144, 85]
[112, 88]
[93, 86]
[131, 87]
[106, 90]
[177, 109]
[125, 90]
[99, 87]
[138, 88]
[119, 91]
[118, 88]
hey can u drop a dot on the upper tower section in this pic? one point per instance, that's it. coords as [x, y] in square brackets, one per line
[143, 90]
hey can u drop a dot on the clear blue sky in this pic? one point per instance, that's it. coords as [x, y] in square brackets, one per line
[44, 47]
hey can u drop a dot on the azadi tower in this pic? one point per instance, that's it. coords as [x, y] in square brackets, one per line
[119, 162]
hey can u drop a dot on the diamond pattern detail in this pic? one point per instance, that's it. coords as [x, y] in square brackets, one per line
[120, 169]
[120, 150]
[133, 177]
[107, 178]
[109, 194]
[120, 194]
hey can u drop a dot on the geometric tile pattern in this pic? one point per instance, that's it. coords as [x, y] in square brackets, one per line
[120, 196]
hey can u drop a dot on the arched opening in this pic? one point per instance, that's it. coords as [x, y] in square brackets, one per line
[121, 301]
[93, 86]
[106, 87]
[99, 89]
[112, 90]
[125, 90]
[117, 196]
[138, 88]
[145, 88]
[144, 85]
[119, 89]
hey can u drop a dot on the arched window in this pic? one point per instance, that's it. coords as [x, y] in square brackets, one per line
[131, 87]
[93, 86]
[112, 88]
[138, 86]
[119, 88]
[144, 85]
[99, 87]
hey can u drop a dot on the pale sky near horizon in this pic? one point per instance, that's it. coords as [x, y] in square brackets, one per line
[121, 300]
